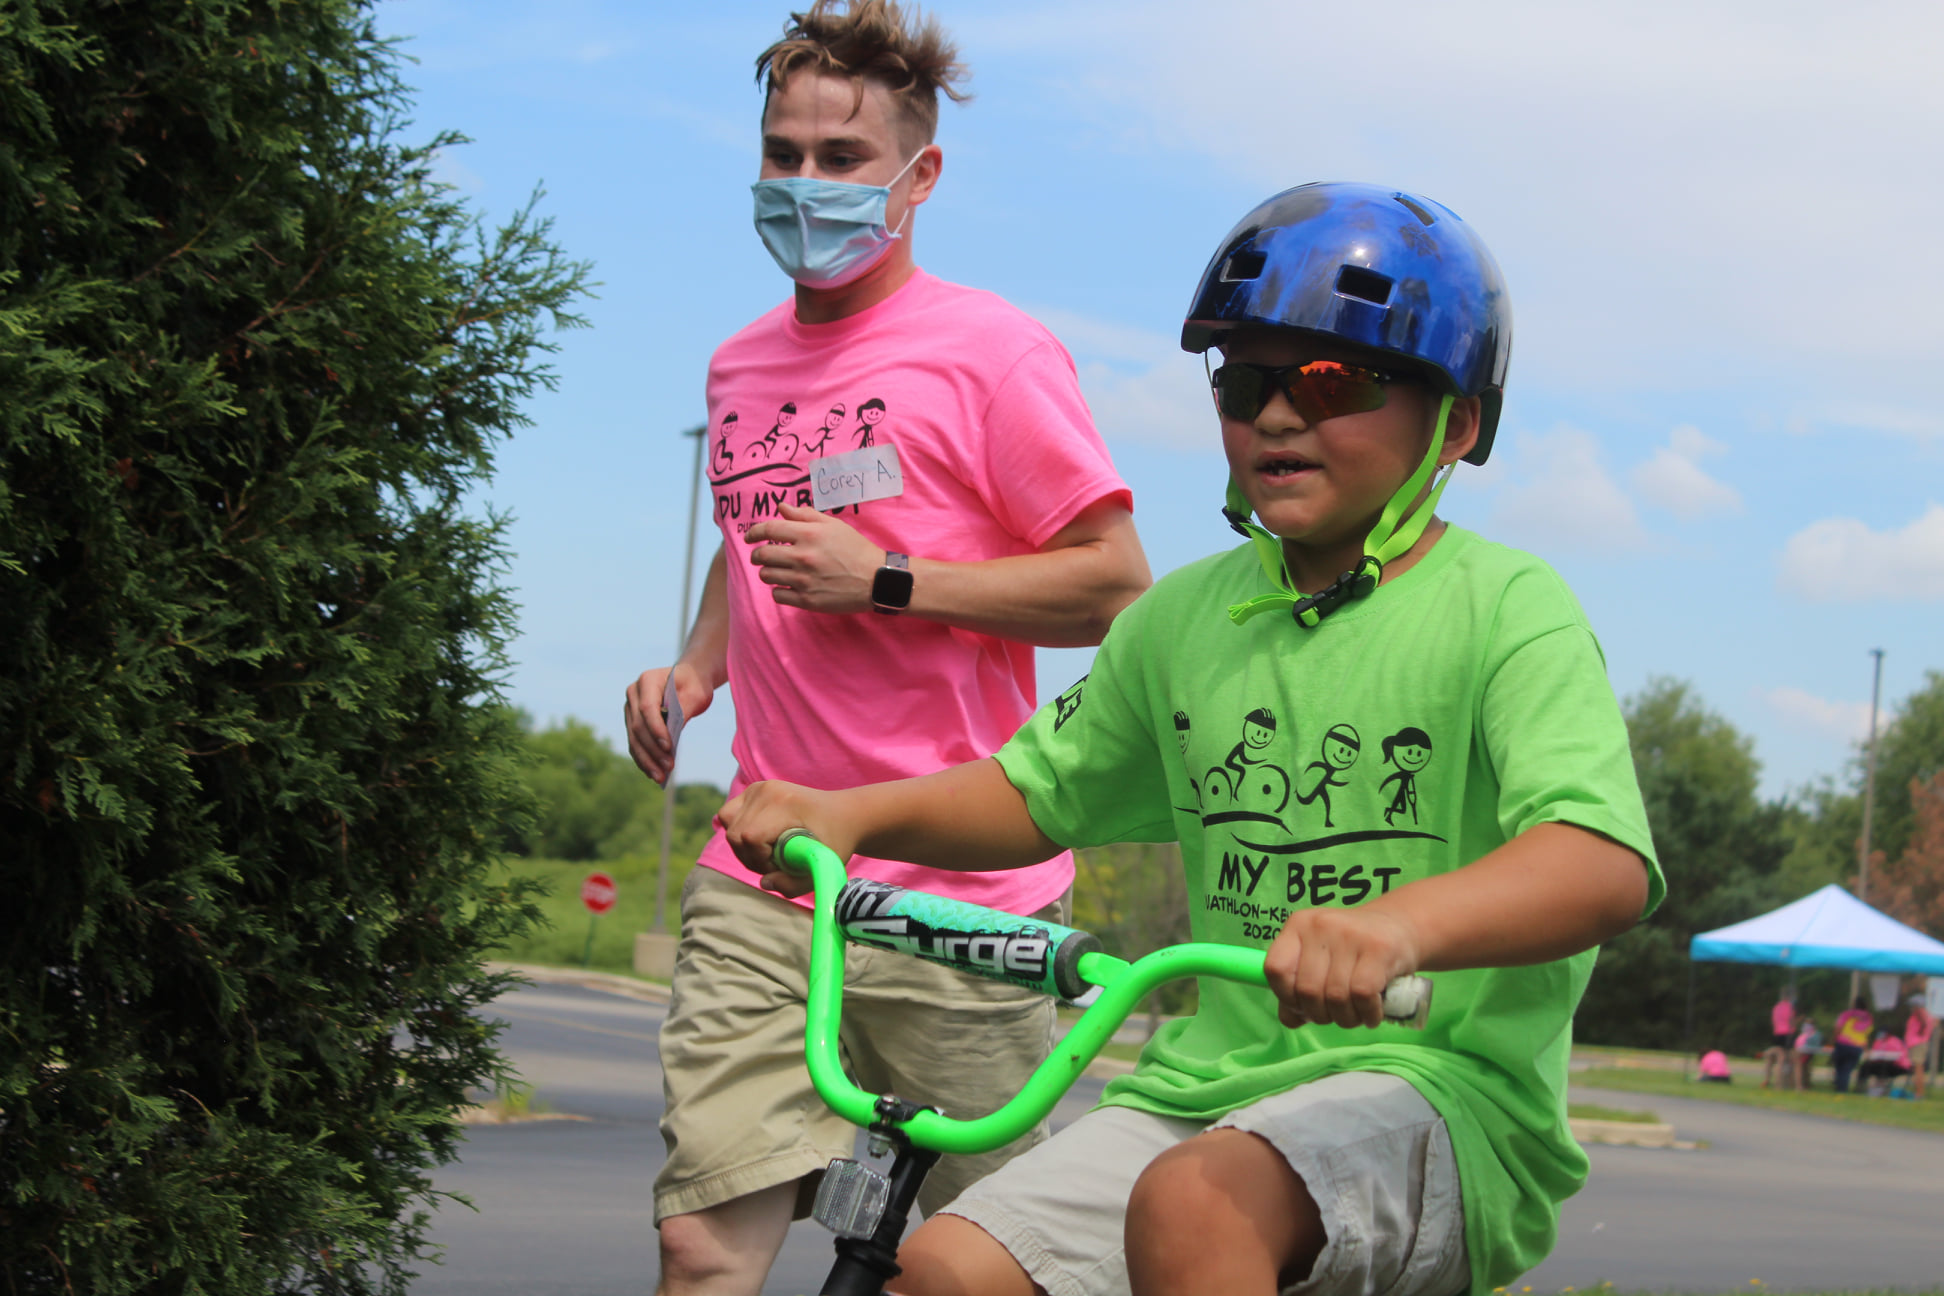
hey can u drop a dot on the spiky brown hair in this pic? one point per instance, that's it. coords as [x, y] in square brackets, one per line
[908, 54]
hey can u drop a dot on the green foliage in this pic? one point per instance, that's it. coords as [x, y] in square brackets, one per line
[1910, 752]
[1911, 889]
[1134, 896]
[252, 769]
[592, 803]
[1720, 849]
[560, 938]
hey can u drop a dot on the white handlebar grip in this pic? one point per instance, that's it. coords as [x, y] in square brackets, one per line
[1407, 1001]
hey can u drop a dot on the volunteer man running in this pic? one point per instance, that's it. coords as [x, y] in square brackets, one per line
[874, 605]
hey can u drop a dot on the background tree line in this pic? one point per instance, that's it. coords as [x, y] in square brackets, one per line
[1729, 855]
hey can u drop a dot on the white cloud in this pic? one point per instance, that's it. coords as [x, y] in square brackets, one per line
[1847, 721]
[1674, 479]
[447, 169]
[1916, 425]
[1842, 560]
[1086, 335]
[1674, 188]
[1140, 385]
[1558, 492]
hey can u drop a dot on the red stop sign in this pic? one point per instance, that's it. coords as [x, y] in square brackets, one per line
[598, 892]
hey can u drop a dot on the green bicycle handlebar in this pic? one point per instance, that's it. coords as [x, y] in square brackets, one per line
[1025, 951]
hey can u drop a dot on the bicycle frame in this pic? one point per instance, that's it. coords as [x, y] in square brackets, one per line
[866, 1249]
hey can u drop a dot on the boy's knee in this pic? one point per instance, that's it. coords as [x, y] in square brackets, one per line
[951, 1256]
[1226, 1189]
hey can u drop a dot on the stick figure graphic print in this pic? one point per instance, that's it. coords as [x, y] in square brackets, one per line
[1410, 750]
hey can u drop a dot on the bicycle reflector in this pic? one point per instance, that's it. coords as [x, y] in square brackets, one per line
[1027, 952]
[851, 1198]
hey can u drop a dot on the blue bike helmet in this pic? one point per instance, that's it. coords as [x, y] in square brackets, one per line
[1372, 267]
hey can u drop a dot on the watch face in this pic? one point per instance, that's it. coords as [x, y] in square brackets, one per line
[891, 588]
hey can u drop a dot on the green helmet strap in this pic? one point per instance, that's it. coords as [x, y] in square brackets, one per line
[1397, 529]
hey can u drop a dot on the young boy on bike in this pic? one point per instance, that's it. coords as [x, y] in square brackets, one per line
[1483, 824]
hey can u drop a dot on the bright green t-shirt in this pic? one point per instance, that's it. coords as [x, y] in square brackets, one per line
[1409, 734]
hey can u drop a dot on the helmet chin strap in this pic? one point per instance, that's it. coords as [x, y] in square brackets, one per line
[1394, 534]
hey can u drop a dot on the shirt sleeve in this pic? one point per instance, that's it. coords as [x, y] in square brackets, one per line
[1088, 763]
[1559, 745]
[1044, 463]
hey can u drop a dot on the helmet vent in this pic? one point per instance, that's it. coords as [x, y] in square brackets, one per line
[1364, 285]
[1415, 208]
[1243, 265]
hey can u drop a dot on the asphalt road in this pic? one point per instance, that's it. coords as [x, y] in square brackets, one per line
[1798, 1202]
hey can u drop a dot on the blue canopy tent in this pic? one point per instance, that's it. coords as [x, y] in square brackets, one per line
[1829, 928]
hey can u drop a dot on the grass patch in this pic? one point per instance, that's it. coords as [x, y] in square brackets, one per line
[1593, 1111]
[563, 939]
[1926, 1114]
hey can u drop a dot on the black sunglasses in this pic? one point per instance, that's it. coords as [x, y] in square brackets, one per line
[1317, 390]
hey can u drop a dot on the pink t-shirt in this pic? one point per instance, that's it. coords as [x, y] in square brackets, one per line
[997, 453]
[1782, 1017]
[1715, 1062]
[1890, 1048]
[1917, 1030]
[1853, 1027]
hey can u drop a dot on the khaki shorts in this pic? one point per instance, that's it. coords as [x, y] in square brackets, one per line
[740, 1115]
[1372, 1152]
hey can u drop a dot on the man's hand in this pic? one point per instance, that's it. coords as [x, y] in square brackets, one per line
[765, 811]
[1331, 965]
[814, 561]
[648, 728]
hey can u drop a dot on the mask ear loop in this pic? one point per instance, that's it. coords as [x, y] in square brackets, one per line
[905, 219]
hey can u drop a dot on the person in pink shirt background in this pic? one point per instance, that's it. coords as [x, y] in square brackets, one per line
[1850, 1036]
[1775, 1058]
[1887, 1062]
[1917, 1035]
[1808, 1044]
[1715, 1069]
[970, 513]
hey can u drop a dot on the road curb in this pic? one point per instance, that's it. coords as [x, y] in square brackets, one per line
[1623, 1133]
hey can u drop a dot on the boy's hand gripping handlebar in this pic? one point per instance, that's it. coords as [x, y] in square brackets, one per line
[1024, 951]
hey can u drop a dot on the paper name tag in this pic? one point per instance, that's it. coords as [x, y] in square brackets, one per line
[856, 476]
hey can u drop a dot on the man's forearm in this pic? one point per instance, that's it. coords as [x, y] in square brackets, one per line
[1065, 596]
[1551, 892]
[707, 650]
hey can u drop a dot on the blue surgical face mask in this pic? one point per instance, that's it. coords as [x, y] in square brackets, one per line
[826, 233]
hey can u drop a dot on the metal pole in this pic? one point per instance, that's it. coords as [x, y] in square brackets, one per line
[1869, 783]
[1869, 805]
[700, 436]
[1687, 1027]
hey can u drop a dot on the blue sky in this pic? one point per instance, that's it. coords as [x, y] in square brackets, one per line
[1717, 220]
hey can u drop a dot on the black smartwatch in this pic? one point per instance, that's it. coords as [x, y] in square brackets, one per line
[891, 587]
